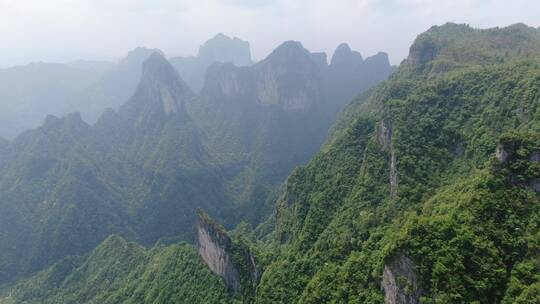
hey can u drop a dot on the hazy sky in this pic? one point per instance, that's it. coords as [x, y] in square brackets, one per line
[64, 30]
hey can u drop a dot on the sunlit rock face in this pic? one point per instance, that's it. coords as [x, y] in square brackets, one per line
[233, 262]
[161, 90]
[400, 281]
[213, 247]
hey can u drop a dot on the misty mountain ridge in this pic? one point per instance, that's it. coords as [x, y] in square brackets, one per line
[142, 170]
[90, 87]
[426, 189]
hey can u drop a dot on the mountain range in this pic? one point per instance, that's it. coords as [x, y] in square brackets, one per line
[422, 189]
[141, 171]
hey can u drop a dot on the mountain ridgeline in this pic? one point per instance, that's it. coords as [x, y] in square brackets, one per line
[427, 189]
[220, 48]
[140, 172]
[407, 202]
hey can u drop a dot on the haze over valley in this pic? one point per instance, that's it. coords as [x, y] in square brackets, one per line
[293, 176]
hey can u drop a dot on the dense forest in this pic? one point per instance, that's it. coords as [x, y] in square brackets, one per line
[425, 190]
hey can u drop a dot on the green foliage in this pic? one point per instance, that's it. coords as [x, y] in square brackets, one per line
[408, 172]
[121, 272]
[464, 218]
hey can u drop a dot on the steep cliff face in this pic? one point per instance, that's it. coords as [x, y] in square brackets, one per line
[384, 137]
[227, 259]
[400, 281]
[214, 246]
[289, 78]
[219, 49]
[228, 84]
[161, 89]
[349, 74]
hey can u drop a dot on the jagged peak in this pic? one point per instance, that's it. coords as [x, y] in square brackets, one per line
[223, 37]
[379, 58]
[137, 56]
[158, 68]
[72, 118]
[289, 49]
[222, 48]
[161, 89]
[292, 55]
[69, 125]
[343, 48]
[344, 55]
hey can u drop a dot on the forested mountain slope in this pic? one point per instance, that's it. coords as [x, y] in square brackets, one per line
[427, 191]
[121, 272]
[265, 119]
[408, 196]
[138, 172]
[141, 172]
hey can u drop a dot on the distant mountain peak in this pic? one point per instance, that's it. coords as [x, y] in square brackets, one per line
[137, 56]
[289, 48]
[344, 55]
[69, 125]
[222, 48]
[380, 58]
[157, 68]
[161, 88]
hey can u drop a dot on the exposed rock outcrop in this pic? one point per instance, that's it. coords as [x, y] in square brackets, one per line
[161, 90]
[519, 155]
[400, 281]
[289, 78]
[502, 153]
[225, 82]
[423, 51]
[233, 262]
[384, 137]
[219, 49]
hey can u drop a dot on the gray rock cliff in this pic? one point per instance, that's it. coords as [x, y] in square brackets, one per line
[400, 281]
[233, 262]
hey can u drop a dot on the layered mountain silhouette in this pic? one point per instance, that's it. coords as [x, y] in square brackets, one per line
[220, 48]
[426, 191]
[29, 93]
[68, 185]
[142, 170]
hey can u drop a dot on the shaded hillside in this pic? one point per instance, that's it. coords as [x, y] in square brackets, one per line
[139, 172]
[265, 119]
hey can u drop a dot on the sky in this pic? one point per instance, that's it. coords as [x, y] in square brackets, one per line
[66, 30]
